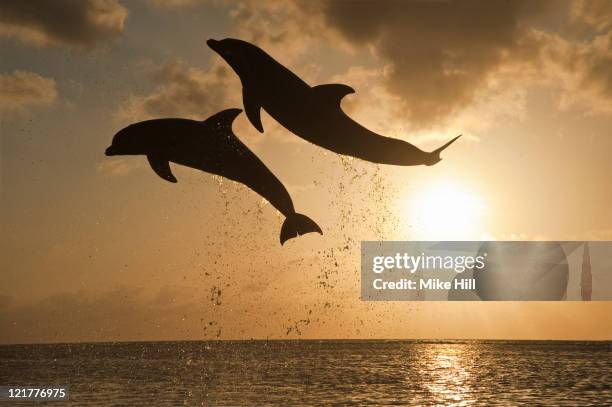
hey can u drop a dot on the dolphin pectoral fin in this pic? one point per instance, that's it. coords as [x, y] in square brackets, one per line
[161, 166]
[332, 92]
[252, 109]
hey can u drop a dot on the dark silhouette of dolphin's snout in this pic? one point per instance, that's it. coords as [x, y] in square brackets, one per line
[110, 151]
[213, 44]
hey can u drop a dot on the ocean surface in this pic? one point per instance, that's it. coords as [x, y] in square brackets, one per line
[288, 373]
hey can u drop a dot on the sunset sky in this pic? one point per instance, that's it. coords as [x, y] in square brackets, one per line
[99, 248]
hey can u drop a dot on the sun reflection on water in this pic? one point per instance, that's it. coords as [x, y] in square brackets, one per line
[449, 373]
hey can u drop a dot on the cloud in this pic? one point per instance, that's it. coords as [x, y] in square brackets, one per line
[182, 91]
[173, 3]
[440, 53]
[22, 90]
[286, 28]
[582, 70]
[443, 66]
[372, 103]
[596, 13]
[62, 22]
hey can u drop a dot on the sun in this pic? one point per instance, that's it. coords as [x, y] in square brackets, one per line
[445, 211]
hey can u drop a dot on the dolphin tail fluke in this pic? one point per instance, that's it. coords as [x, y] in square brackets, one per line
[435, 155]
[296, 225]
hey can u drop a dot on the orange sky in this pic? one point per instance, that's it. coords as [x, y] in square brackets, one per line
[99, 248]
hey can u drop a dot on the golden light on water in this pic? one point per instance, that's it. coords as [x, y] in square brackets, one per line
[450, 374]
[446, 210]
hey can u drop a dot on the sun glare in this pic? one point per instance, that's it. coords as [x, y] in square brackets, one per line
[445, 211]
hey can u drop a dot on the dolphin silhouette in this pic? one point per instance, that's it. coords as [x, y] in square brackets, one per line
[313, 113]
[212, 147]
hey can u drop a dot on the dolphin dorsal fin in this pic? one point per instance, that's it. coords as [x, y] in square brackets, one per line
[161, 166]
[332, 92]
[224, 118]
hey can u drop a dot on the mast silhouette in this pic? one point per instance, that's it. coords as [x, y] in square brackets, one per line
[586, 278]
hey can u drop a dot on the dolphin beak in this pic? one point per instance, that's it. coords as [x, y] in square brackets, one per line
[109, 151]
[212, 44]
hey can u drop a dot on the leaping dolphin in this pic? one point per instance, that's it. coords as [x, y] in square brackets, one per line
[313, 113]
[212, 147]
